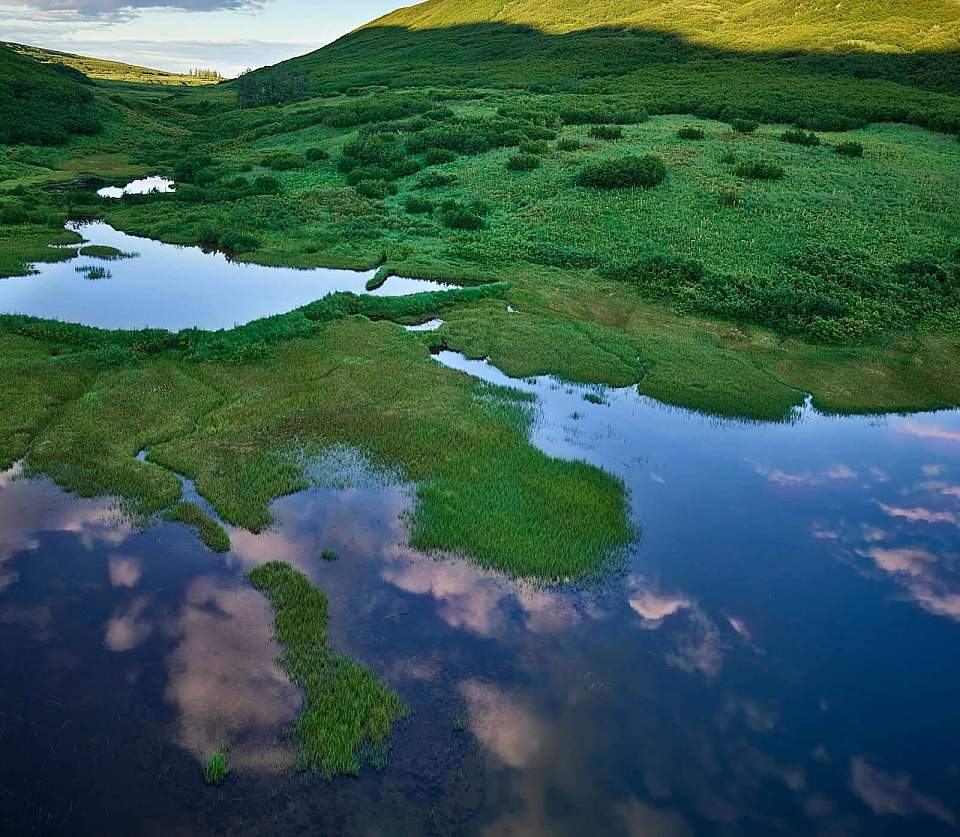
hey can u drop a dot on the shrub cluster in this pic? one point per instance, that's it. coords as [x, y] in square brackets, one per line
[282, 161]
[759, 170]
[523, 162]
[849, 148]
[622, 173]
[801, 137]
[744, 126]
[606, 132]
[690, 132]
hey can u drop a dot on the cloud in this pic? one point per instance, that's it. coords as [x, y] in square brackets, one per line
[888, 793]
[501, 724]
[127, 628]
[124, 9]
[927, 431]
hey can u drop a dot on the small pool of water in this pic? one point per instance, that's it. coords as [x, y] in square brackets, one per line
[143, 186]
[161, 285]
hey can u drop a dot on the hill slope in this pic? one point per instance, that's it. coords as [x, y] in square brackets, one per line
[756, 25]
[100, 68]
[43, 104]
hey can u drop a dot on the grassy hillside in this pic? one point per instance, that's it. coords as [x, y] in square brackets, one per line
[43, 104]
[760, 25]
[776, 60]
[99, 68]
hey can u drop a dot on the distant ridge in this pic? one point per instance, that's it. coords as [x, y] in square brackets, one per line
[100, 68]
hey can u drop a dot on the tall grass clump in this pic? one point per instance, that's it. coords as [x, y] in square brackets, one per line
[690, 132]
[523, 162]
[623, 173]
[216, 768]
[347, 713]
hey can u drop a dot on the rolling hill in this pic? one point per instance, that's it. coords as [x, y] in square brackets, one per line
[99, 68]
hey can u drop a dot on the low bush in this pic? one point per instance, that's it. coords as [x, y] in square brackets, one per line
[434, 180]
[568, 144]
[689, 132]
[523, 162]
[418, 206]
[534, 147]
[759, 170]
[606, 132]
[314, 154]
[459, 218]
[238, 242]
[729, 197]
[283, 161]
[439, 156]
[729, 158]
[744, 126]
[849, 148]
[799, 137]
[375, 189]
[626, 172]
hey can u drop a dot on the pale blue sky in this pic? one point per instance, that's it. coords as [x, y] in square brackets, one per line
[227, 35]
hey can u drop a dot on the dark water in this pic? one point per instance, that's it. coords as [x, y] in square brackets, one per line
[171, 287]
[779, 656]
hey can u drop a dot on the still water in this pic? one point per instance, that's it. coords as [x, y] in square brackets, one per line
[161, 285]
[777, 656]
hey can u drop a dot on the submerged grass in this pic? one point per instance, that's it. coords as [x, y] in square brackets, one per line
[216, 768]
[347, 713]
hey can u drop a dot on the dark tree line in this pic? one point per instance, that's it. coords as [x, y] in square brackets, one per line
[271, 88]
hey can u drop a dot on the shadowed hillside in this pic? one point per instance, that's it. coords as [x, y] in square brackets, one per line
[875, 67]
[43, 104]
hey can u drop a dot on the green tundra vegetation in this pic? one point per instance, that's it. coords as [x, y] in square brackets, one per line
[727, 206]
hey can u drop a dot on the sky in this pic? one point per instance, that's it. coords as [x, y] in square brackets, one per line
[177, 35]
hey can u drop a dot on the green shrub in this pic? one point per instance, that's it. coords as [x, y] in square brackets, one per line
[238, 242]
[689, 132]
[375, 189]
[283, 161]
[523, 162]
[744, 126]
[849, 148]
[417, 205]
[314, 154]
[729, 158]
[533, 147]
[266, 184]
[434, 180]
[626, 172]
[568, 144]
[759, 170]
[460, 218]
[438, 156]
[606, 132]
[799, 137]
[12, 213]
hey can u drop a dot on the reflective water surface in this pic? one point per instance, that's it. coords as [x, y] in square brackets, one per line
[778, 655]
[165, 286]
[143, 186]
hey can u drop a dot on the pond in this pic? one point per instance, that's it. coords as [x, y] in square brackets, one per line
[777, 653]
[159, 285]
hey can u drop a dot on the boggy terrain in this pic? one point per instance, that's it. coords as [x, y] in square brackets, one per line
[727, 223]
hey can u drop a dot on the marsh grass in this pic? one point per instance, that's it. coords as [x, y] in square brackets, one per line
[216, 768]
[213, 535]
[347, 714]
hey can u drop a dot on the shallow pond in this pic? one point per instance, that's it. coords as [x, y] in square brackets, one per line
[777, 655]
[166, 286]
[143, 186]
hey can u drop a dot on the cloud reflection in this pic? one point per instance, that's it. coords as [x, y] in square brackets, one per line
[223, 677]
[893, 793]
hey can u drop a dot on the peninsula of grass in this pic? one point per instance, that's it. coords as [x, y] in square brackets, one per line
[211, 533]
[347, 714]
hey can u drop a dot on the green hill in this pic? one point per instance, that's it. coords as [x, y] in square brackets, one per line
[825, 64]
[43, 104]
[99, 68]
[760, 25]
